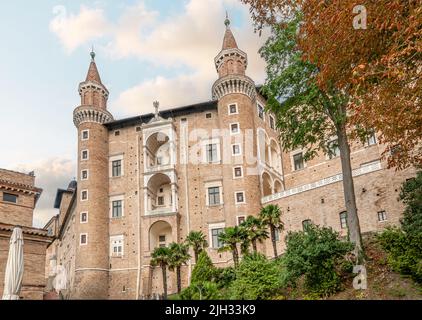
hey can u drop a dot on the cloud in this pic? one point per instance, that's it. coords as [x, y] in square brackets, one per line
[188, 41]
[51, 174]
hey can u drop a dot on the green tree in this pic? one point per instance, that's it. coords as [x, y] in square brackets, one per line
[271, 217]
[256, 231]
[160, 257]
[196, 240]
[230, 237]
[179, 256]
[318, 254]
[314, 118]
[204, 269]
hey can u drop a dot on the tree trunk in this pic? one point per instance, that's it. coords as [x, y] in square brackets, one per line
[164, 269]
[179, 279]
[255, 249]
[274, 241]
[349, 194]
[196, 252]
[235, 257]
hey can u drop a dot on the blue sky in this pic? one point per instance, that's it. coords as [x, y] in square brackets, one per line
[146, 50]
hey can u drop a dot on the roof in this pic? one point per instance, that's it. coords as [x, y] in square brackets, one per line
[25, 230]
[59, 196]
[229, 41]
[170, 113]
[93, 74]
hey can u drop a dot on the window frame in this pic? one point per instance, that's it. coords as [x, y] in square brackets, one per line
[335, 155]
[240, 149]
[120, 245]
[229, 109]
[271, 122]
[81, 215]
[241, 172]
[87, 195]
[383, 214]
[236, 199]
[80, 239]
[343, 220]
[112, 200]
[206, 143]
[212, 227]
[259, 106]
[15, 196]
[231, 128]
[293, 155]
[87, 155]
[112, 160]
[82, 175]
[82, 135]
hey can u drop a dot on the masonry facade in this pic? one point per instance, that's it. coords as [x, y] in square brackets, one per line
[149, 180]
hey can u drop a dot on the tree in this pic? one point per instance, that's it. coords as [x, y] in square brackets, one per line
[179, 256]
[271, 216]
[230, 237]
[309, 117]
[204, 269]
[160, 257]
[256, 231]
[196, 240]
[379, 66]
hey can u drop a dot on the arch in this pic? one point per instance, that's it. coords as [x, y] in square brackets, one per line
[275, 155]
[267, 184]
[160, 234]
[158, 149]
[278, 186]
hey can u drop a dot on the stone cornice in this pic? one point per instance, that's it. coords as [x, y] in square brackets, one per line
[93, 85]
[230, 53]
[234, 84]
[84, 114]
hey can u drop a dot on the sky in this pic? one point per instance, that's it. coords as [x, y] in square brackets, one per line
[146, 50]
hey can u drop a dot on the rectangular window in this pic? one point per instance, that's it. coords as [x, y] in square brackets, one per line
[343, 220]
[333, 149]
[85, 135]
[138, 129]
[211, 150]
[84, 175]
[160, 201]
[261, 111]
[382, 216]
[240, 197]
[298, 161]
[117, 209]
[272, 122]
[84, 195]
[83, 240]
[240, 220]
[277, 235]
[238, 172]
[371, 139]
[214, 196]
[208, 115]
[162, 241]
[233, 109]
[8, 197]
[117, 168]
[117, 133]
[236, 149]
[116, 246]
[84, 217]
[85, 154]
[216, 243]
[234, 128]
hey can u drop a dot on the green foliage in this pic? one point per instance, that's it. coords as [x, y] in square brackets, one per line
[404, 245]
[318, 255]
[160, 257]
[230, 237]
[271, 217]
[204, 269]
[201, 291]
[197, 240]
[256, 230]
[178, 255]
[256, 279]
[223, 277]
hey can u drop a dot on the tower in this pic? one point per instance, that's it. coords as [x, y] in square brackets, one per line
[92, 211]
[237, 104]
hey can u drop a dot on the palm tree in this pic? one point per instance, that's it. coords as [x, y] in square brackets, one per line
[179, 256]
[160, 257]
[256, 230]
[230, 237]
[196, 240]
[270, 216]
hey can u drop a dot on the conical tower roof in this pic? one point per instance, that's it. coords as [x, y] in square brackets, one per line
[93, 74]
[229, 41]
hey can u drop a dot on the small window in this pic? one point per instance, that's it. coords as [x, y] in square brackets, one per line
[85, 155]
[159, 161]
[333, 149]
[272, 122]
[343, 220]
[306, 223]
[84, 195]
[83, 239]
[116, 246]
[298, 161]
[277, 235]
[240, 197]
[238, 172]
[50, 232]
[208, 115]
[160, 201]
[240, 220]
[117, 133]
[371, 139]
[85, 135]
[233, 109]
[382, 216]
[211, 150]
[234, 128]
[8, 197]
[117, 209]
[84, 175]
[236, 149]
[84, 217]
[216, 243]
[261, 111]
[161, 190]
[138, 129]
[214, 196]
[162, 241]
[117, 168]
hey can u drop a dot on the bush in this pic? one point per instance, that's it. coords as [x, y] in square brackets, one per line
[204, 269]
[318, 255]
[224, 277]
[256, 278]
[201, 291]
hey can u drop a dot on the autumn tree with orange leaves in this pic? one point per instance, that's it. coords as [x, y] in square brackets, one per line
[379, 65]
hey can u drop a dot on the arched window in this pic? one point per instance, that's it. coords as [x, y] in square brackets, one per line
[343, 220]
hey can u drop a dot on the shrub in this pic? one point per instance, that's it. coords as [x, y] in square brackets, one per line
[224, 277]
[204, 269]
[201, 291]
[317, 254]
[256, 278]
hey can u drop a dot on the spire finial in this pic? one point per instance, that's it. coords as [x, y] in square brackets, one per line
[156, 106]
[227, 22]
[92, 53]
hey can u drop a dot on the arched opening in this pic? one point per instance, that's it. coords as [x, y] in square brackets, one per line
[157, 150]
[160, 235]
[160, 193]
[275, 155]
[278, 187]
[266, 184]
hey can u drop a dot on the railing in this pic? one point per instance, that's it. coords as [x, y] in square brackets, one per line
[371, 167]
[152, 169]
[162, 212]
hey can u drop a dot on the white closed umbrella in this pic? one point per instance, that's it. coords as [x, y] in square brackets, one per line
[14, 267]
